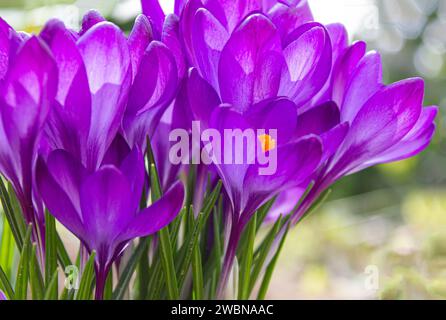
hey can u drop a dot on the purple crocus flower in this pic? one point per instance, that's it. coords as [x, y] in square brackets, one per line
[28, 87]
[2, 296]
[95, 101]
[102, 207]
[386, 123]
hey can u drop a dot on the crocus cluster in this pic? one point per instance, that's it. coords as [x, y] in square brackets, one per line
[78, 107]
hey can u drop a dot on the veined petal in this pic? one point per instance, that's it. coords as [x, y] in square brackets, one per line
[139, 39]
[29, 89]
[250, 63]
[296, 162]
[57, 200]
[209, 38]
[383, 121]
[106, 205]
[318, 120]
[171, 38]
[102, 46]
[308, 63]
[412, 144]
[153, 10]
[90, 19]
[287, 18]
[105, 45]
[344, 69]
[155, 217]
[202, 98]
[365, 82]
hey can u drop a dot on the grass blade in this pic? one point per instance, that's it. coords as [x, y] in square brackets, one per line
[128, 271]
[270, 269]
[21, 286]
[168, 264]
[5, 285]
[11, 216]
[51, 288]
[246, 259]
[87, 281]
[51, 248]
[36, 279]
[197, 274]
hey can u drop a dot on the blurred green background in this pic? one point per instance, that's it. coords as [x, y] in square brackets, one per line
[382, 234]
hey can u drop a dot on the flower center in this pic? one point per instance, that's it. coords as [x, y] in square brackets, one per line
[268, 143]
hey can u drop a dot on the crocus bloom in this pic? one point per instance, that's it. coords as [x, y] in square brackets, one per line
[109, 84]
[102, 207]
[28, 88]
[387, 123]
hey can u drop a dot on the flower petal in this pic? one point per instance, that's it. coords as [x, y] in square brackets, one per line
[153, 10]
[155, 217]
[209, 38]
[105, 198]
[308, 63]
[57, 200]
[139, 39]
[250, 63]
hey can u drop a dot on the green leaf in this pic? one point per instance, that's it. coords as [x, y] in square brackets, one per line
[5, 285]
[7, 248]
[51, 248]
[246, 259]
[14, 224]
[62, 254]
[36, 279]
[51, 288]
[108, 290]
[128, 271]
[197, 275]
[21, 286]
[87, 280]
[270, 269]
[262, 253]
[168, 264]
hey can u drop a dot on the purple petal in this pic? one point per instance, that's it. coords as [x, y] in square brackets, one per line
[286, 201]
[29, 89]
[202, 97]
[155, 217]
[231, 170]
[296, 162]
[57, 200]
[318, 120]
[365, 82]
[344, 69]
[153, 10]
[308, 63]
[288, 18]
[106, 205]
[104, 45]
[154, 88]
[2, 296]
[133, 169]
[383, 121]
[171, 38]
[412, 144]
[249, 63]
[90, 19]
[73, 92]
[209, 38]
[138, 41]
[279, 114]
